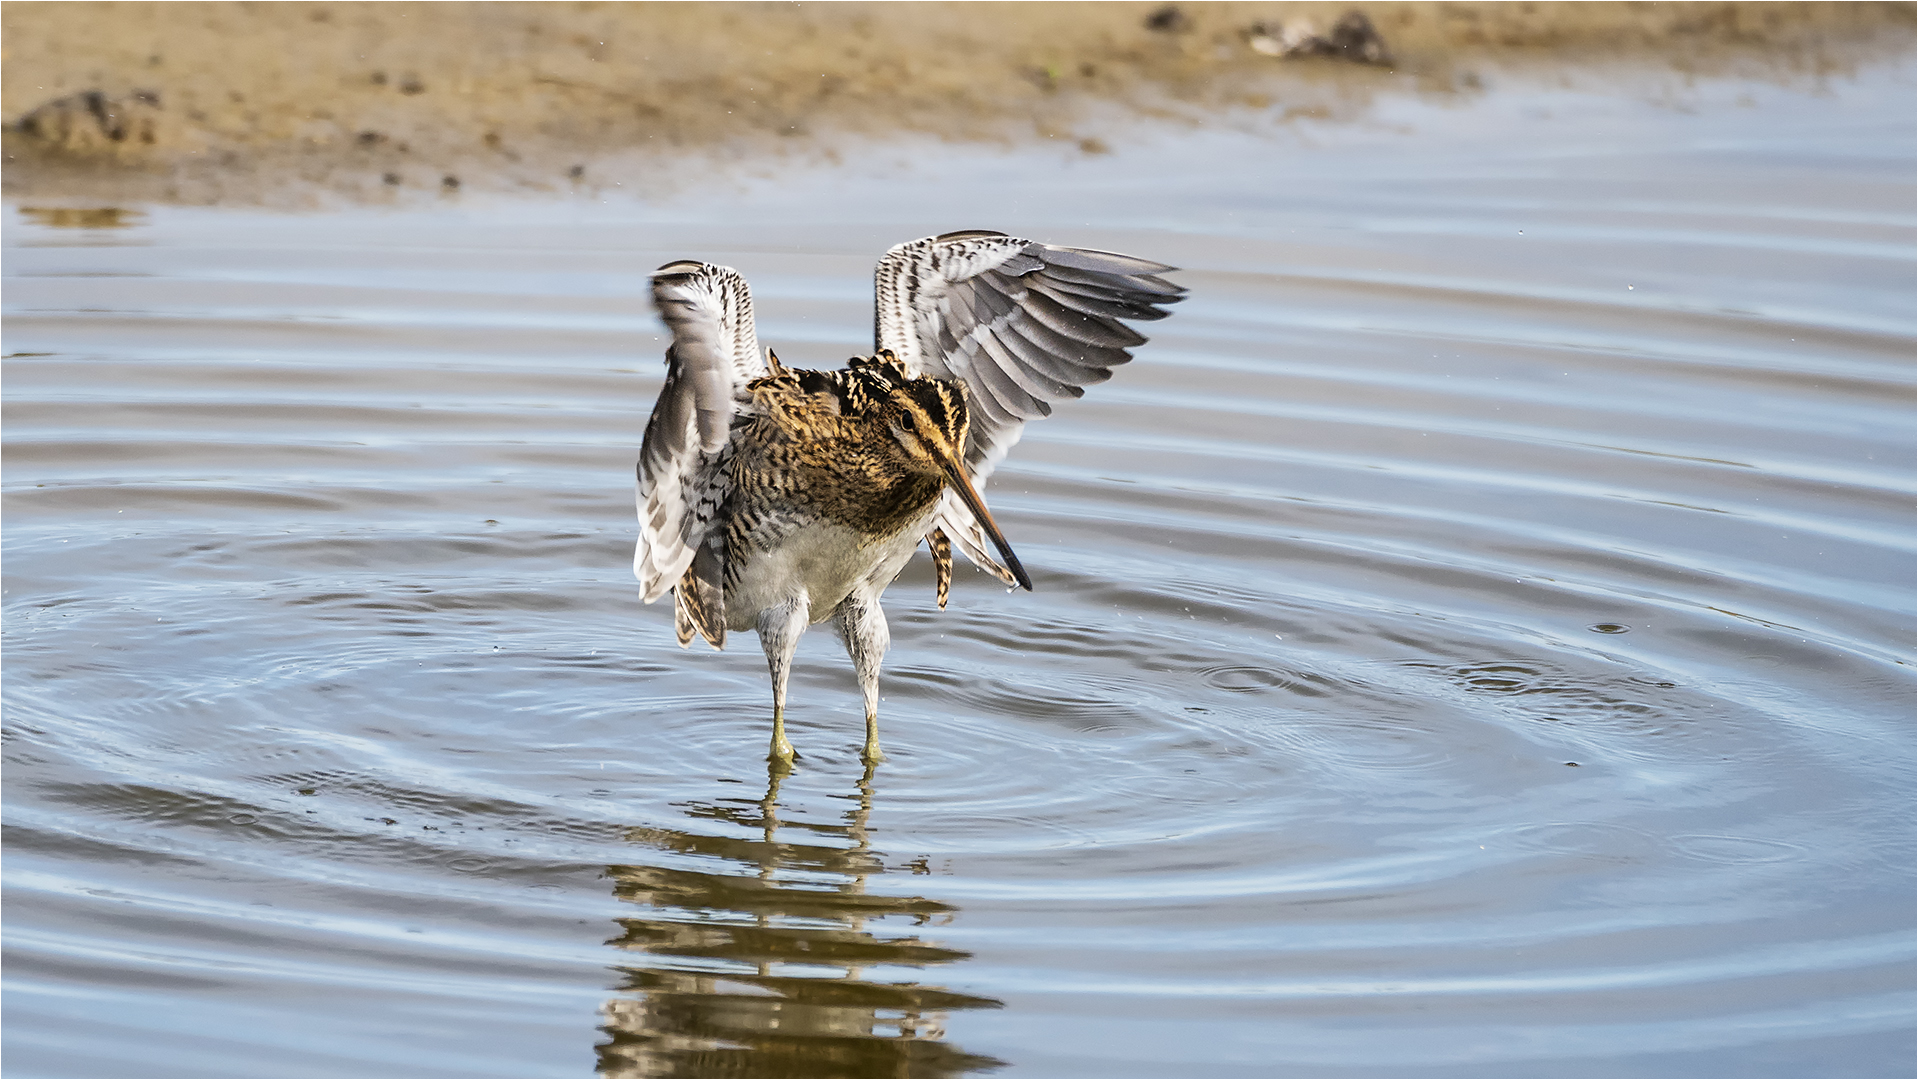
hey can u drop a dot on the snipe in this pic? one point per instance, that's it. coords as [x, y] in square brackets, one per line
[773, 498]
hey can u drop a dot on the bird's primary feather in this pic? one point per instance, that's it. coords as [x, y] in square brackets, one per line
[681, 475]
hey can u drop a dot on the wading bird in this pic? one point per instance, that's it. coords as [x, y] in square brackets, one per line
[773, 498]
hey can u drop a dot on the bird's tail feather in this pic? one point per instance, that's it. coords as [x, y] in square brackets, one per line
[699, 600]
[692, 613]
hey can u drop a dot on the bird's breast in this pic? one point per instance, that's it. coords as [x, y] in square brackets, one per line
[820, 560]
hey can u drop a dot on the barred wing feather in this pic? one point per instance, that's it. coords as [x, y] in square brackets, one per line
[1022, 324]
[681, 474]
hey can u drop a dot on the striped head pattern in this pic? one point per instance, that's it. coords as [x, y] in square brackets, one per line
[926, 416]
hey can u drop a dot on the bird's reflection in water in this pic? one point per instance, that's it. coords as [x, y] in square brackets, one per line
[764, 971]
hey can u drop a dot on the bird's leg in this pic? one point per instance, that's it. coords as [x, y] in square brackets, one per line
[779, 629]
[862, 626]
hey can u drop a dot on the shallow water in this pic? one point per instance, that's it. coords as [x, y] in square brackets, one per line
[1472, 638]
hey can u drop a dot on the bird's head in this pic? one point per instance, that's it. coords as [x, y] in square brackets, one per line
[928, 421]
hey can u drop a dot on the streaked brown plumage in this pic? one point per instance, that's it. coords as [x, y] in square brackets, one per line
[870, 448]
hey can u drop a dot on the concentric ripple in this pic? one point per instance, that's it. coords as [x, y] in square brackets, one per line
[1473, 637]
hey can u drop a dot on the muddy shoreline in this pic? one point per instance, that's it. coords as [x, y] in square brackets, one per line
[329, 103]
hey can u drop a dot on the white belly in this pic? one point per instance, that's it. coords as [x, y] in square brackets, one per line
[822, 562]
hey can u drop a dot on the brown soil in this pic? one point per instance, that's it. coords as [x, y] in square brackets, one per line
[298, 102]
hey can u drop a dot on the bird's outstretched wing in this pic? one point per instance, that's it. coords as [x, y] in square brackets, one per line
[682, 475]
[1022, 324]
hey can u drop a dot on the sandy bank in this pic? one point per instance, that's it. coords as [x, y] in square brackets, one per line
[305, 102]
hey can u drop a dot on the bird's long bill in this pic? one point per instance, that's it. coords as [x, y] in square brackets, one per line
[956, 475]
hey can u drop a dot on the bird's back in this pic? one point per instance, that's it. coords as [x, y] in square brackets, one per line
[821, 499]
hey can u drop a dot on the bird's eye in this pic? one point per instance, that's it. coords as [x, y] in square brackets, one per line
[908, 440]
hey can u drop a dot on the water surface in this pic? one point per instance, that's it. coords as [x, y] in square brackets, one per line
[1473, 637]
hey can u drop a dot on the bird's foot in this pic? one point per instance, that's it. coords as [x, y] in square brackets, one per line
[781, 752]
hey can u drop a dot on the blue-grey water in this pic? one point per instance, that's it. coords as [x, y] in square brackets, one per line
[1474, 637]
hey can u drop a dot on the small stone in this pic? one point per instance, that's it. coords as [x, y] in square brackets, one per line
[1167, 20]
[92, 121]
[1354, 38]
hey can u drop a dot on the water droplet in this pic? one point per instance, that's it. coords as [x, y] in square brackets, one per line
[1609, 628]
